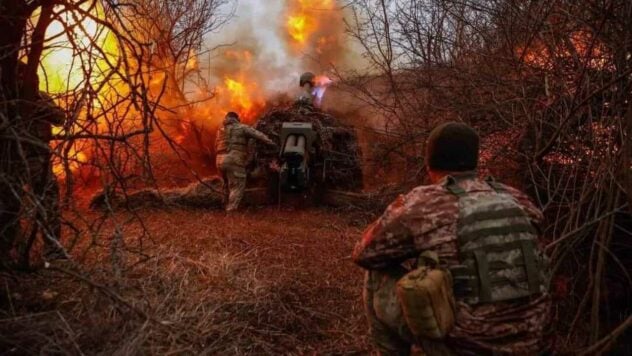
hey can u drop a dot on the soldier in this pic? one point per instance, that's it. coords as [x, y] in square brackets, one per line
[307, 84]
[231, 146]
[485, 234]
[38, 180]
[42, 180]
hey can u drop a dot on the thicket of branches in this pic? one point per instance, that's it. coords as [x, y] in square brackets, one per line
[130, 57]
[548, 84]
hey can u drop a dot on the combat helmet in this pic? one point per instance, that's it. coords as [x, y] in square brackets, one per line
[307, 77]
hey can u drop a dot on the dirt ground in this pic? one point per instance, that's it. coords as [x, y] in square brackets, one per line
[195, 281]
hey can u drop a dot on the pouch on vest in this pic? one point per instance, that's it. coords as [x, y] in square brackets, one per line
[426, 298]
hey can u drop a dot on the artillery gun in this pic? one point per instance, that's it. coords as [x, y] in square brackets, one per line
[316, 154]
[318, 161]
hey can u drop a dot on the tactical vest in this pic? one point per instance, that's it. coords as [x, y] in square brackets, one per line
[497, 248]
[231, 137]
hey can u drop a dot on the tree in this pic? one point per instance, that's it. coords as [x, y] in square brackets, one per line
[128, 55]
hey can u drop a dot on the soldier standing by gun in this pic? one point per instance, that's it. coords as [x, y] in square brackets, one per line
[486, 235]
[231, 146]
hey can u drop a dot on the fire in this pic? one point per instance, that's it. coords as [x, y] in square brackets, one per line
[239, 95]
[305, 19]
[237, 91]
[297, 28]
[581, 45]
[60, 65]
[75, 160]
[322, 82]
[193, 99]
[62, 72]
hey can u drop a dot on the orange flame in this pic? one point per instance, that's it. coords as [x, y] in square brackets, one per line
[304, 20]
[581, 45]
[242, 97]
[236, 92]
[63, 74]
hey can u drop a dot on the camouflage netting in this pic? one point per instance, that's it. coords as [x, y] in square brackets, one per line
[337, 162]
[206, 193]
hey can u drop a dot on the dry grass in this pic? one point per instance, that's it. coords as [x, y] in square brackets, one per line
[265, 282]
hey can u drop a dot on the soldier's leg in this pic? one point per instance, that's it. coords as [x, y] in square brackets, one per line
[237, 185]
[226, 189]
[10, 206]
[387, 326]
[51, 219]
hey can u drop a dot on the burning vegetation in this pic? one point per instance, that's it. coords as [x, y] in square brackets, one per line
[145, 86]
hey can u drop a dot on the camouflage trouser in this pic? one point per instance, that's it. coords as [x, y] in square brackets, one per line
[45, 189]
[39, 199]
[387, 325]
[10, 205]
[234, 176]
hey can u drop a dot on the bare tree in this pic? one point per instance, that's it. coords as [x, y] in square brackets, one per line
[131, 58]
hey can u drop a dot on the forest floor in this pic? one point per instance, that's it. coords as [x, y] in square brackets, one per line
[195, 281]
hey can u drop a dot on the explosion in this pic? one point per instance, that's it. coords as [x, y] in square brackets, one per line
[311, 26]
[193, 98]
[71, 49]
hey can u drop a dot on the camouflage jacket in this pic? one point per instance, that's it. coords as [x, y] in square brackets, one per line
[46, 114]
[426, 219]
[232, 142]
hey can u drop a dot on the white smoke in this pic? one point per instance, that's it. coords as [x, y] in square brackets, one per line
[257, 27]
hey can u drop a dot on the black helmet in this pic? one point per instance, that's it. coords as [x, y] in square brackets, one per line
[307, 77]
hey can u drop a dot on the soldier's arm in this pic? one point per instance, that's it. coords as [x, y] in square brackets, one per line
[258, 135]
[386, 242]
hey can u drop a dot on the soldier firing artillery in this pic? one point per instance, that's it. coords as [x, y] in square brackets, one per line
[231, 146]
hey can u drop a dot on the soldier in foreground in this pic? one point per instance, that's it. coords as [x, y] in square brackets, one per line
[484, 232]
[231, 146]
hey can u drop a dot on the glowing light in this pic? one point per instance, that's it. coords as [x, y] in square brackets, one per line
[238, 94]
[321, 83]
[305, 19]
[297, 28]
[73, 46]
[76, 42]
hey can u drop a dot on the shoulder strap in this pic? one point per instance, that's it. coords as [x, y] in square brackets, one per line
[497, 187]
[452, 186]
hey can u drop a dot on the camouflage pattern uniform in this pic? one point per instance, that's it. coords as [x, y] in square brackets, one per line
[426, 219]
[232, 158]
[42, 180]
[305, 98]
